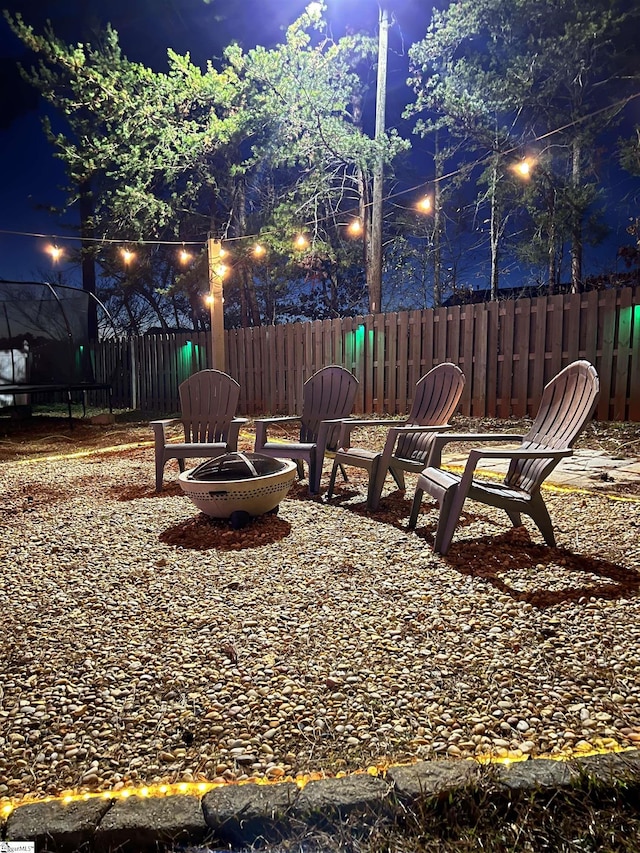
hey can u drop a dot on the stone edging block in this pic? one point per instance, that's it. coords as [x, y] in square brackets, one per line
[140, 823]
[57, 825]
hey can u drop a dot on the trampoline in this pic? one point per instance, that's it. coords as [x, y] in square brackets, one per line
[44, 343]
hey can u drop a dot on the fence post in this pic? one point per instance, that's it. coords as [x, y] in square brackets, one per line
[216, 303]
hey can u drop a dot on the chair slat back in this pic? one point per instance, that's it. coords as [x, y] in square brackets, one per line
[330, 393]
[208, 401]
[435, 400]
[568, 402]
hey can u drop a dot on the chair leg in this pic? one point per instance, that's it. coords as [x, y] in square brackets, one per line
[344, 474]
[160, 463]
[448, 520]
[374, 487]
[540, 514]
[398, 476]
[315, 472]
[181, 465]
[332, 478]
[300, 469]
[377, 476]
[514, 517]
[415, 508]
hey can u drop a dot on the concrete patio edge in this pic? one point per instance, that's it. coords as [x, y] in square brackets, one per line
[243, 814]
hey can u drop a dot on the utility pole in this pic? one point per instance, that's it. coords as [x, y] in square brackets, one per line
[375, 277]
[216, 303]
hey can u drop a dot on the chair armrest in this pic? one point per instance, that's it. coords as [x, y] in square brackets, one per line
[160, 428]
[349, 424]
[234, 433]
[504, 453]
[529, 453]
[435, 457]
[261, 425]
[480, 453]
[323, 434]
[399, 431]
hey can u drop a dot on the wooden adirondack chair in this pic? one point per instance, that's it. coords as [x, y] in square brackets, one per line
[408, 443]
[208, 402]
[327, 398]
[568, 402]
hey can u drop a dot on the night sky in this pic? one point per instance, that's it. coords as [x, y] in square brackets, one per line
[31, 177]
[29, 174]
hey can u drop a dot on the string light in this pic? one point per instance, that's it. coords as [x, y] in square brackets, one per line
[258, 250]
[185, 256]
[355, 227]
[301, 242]
[127, 255]
[424, 205]
[600, 746]
[55, 252]
[523, 168]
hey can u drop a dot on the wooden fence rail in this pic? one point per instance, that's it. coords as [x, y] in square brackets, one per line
[507, 351]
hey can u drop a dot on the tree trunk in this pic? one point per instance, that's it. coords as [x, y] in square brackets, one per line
[494, 232]
[249, 310]
[364, 206]
[133, 323]
[375, 281]
[88, 257]
[437, 226]
[576, 230]
[365, 218]
[553, 274]
[247, 283]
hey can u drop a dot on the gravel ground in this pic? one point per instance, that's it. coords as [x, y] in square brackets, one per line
[144, 643]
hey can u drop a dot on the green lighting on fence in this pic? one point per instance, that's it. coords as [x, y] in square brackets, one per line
[635, 312]
[359, 341]
[185, 360]
[79, 358]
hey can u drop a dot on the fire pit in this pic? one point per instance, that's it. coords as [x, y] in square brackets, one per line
[238, 486]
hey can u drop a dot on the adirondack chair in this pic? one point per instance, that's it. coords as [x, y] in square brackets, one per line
[327, 398]
[568, 402]
[208, 402]
[408, 443]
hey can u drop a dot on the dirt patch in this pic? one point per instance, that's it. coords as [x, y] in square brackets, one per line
[45, 435]
[203, 533]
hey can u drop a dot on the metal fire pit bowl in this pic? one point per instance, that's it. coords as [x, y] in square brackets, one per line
[238, 486]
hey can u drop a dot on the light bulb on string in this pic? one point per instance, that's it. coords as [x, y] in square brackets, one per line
[258, 250]
[127, 255]
[301, 242]
[523, 167]
[424, 205]
[55, 252]
[355, 227]
[184, 256]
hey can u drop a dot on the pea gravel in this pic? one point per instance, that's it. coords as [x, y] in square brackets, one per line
[144, 643]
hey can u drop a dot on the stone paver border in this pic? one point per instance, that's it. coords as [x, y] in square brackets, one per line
[246, 814]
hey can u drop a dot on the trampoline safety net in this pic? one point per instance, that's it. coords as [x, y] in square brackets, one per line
[44, 334]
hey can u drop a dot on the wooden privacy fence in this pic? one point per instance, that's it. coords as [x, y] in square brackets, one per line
[507, 351]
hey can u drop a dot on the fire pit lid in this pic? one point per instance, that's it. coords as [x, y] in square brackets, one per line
[236, 466]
